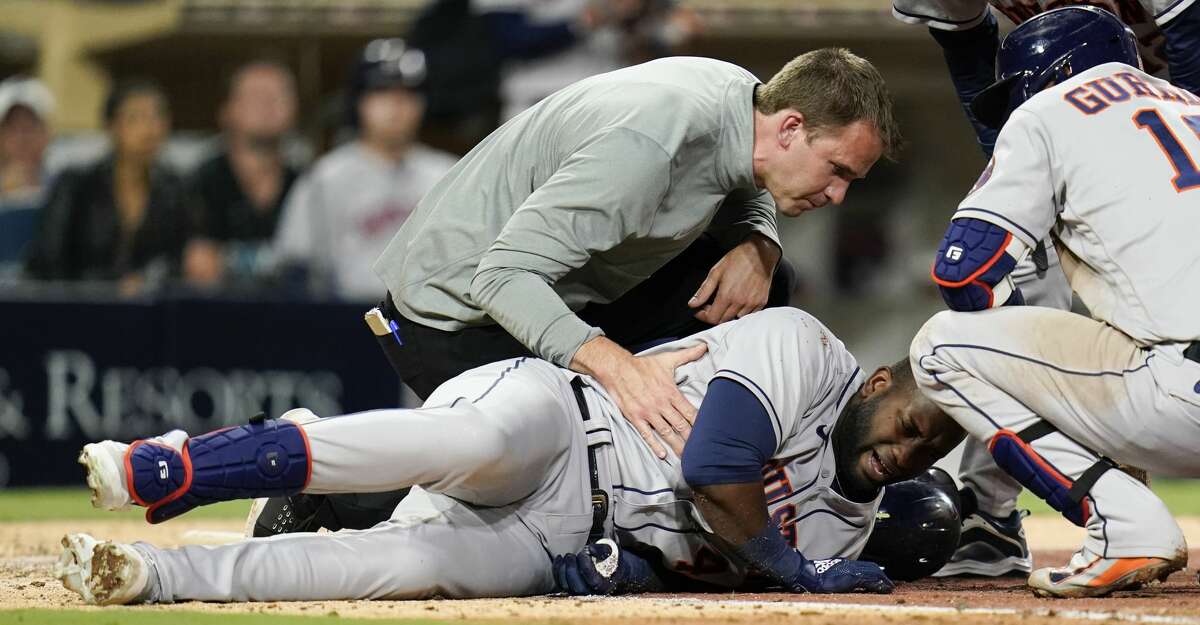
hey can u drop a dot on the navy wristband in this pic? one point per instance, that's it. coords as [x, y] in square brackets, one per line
[771, 553]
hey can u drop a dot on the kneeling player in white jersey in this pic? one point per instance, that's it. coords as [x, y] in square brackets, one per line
[523, 467]
[968, 33]
[1101, 157]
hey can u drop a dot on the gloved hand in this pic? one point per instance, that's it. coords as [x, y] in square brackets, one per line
[602, 569]
[842, 575]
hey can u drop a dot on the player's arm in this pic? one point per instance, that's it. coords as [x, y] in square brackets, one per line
[733, 438]
[971, 58]
[1009, 210]
[1182, 47]
[973, 266]
[969, 37]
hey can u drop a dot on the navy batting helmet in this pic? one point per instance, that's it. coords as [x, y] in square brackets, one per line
[384, 64]
[917, 527]
[1048, 49]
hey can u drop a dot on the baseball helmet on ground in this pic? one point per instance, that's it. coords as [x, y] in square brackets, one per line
[1048, 49]
[917, 527]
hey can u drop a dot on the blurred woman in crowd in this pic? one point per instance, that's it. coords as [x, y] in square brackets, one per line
[121, 218]
[25, 108]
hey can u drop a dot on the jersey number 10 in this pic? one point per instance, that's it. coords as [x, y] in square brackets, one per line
[1187, 176]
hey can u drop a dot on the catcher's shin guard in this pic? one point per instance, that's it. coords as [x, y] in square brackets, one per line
[1013, 452]
[261, 459]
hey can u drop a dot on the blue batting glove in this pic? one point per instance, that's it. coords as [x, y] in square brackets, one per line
[840, 575]
[601, 569]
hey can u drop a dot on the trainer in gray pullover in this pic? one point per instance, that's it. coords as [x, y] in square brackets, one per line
[579, 199]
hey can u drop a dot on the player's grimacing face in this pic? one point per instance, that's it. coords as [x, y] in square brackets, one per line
[899, 434]
[815, 169]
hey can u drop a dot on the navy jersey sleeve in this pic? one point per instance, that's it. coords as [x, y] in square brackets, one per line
[1182, 36]
[732, 438]
[515, 36]
[971, 58]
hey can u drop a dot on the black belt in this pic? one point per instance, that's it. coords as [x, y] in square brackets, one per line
[599, 495]
[1192, 352]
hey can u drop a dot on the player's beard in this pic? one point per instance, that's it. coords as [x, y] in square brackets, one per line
[849, 434]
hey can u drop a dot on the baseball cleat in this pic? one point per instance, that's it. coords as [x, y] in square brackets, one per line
[105, 465]
[270, 516]
[1101, 576]
[103, 573]
[990, 547]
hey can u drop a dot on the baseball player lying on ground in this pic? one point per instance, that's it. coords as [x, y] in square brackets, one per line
[522, 467]
[1101, 157]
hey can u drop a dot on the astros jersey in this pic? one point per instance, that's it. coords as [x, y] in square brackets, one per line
[803, 375]
[1145, 17]
[1106, 162]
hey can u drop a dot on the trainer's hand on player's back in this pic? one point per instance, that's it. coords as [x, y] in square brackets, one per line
[741, 281]
[644, 389]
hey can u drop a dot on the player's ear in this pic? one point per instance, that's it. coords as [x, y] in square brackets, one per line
[791, 128]
[880, 380]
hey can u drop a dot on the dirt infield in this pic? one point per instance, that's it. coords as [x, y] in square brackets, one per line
[27, 551]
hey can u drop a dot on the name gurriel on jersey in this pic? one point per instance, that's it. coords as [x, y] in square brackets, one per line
[1096, 95]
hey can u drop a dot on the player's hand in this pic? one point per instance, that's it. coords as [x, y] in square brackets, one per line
[643, 388]
[840, 575]
[741, 281]
[603, 569]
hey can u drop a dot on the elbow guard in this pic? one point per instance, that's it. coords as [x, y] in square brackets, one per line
[973, 265]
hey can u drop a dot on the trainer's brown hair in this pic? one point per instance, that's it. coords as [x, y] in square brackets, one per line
[833, 87]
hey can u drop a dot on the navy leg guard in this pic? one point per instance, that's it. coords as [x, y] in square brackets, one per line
[1018, 458]
[264, 459]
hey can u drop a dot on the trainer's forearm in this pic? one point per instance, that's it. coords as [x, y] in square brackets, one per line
[528, 308]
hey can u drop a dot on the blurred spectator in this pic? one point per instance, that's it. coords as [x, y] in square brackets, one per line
[236, 196]
[552, 43]
[121, 218]
[25, 109]
[342, 213]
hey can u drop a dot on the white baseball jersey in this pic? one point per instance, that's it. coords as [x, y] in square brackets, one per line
[1145, 17]
[340, 215]
[1106, 162]
[804, 376]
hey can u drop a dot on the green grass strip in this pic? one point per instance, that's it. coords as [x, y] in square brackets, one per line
[135, 616]
[1181, 496]
[70, 504]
